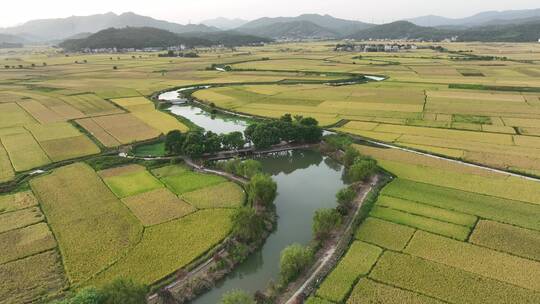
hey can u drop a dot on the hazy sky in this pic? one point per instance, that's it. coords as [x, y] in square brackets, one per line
[14, 12]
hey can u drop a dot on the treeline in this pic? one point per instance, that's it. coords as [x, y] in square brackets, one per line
[262, 135]
[149, 37]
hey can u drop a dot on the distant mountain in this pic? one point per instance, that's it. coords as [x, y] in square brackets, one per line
[303, 26]
[145, 37]
[224, 23]
[402, 30]
[527, 32]
[58, 29]
[6, 38]
[291, 30]
[483, 18]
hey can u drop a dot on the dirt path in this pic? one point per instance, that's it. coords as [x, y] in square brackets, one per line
[329, 255]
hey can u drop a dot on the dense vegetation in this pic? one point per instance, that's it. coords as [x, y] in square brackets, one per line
[148, 37]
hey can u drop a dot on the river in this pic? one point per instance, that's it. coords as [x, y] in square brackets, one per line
[306, 181]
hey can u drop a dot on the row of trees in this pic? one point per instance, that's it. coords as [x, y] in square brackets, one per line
[197, 143]
[289, 129]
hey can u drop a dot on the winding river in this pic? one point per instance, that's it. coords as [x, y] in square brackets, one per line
[306, 181]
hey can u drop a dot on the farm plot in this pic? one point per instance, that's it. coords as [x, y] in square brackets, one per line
[157, 206]
[6, 170]
[21, 218]
[369, 291]
[92, 226]
[25, 242]
[442, 282]
[223, 195]
[12, 115]
[17, 201]
[474, 259]
[384, 234]
[170, 246]
[40, 112]
[130, 180]
[125, 128]
[358, 261]
[145, 110]
[181, 181]
[91, 105]
[507, 238]
[28, 279]
[24, 151]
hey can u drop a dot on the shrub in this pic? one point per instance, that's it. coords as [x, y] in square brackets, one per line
[247, 224]
[293, 261]
[345, 197]
[351, 154]
[262, 190]
[361, 169]
[123, 291]
[324, 221]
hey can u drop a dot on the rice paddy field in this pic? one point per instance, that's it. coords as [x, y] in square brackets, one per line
[440, 232]
[442, 241]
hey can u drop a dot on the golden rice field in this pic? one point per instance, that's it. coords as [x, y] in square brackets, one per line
[438, 228]
[445, 241]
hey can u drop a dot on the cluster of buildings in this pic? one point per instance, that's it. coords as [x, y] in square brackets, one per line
[379, 47]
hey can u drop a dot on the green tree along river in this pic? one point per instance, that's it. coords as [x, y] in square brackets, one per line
[306, 181]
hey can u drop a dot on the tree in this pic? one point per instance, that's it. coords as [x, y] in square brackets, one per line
[361, 169]
[345, 197]
[233, 141]
[174, 142]
[308, 121]
[247, 224]
[324, 221]
[248, 132]
[123, 291]
[193, 144]
[262, 190]
[351, 154]
[237, 297]
[250, 168]
[212, 142]
[286, 118]
[293, 261]
[264, 137]
[310, 133]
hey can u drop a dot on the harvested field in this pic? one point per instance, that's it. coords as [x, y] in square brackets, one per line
[21, 218]
[26, 241]
[17, 201]
[27, 280]
[126, 128]
[157, 206]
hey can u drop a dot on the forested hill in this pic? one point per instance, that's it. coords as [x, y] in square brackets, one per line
[146, 37]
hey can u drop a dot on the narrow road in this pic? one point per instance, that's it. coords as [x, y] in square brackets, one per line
[328, 256]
